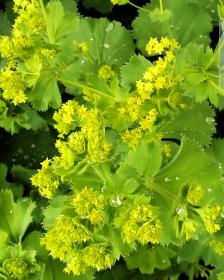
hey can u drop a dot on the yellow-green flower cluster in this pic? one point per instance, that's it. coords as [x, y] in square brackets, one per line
[88, 138]
[195, 194]
[65, 117]
[48, 53]
[28, 23]
[165, 45]
[149, 120]
[13, 86]
[189, 227]
[156, 77]
[73, 116]
[89, 204]
[16, 269]
[97, 145]
[90, 96]
[106, 73]
[81, 47]
[66, 156]
[143, 225]
[211, 217]
[45, 179]
[217, 246]
[30, 18]
[94, 256]
[134, 136]
[14, 46]
[68, 240]
[61, 239]
[133, 107]
[167, 150]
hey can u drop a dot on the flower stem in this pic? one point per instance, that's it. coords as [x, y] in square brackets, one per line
[161, 6]
[216, 87]
[79, 85]
[98, 173]
[138, 7]
[50, 35]
[216, 52]
[163, 192]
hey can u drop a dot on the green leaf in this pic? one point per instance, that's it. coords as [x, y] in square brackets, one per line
[109, 42]
[180, 20]
[57, 206]
[148, 259]
[32, 242]
[147, 159]
[15, 217]
[59, 23]
[15, 188]
[45, 94]
[193, 251]
[53, 270]
[210, 7]
[5, 26]
[119, 271]
[198, 67]
[217, 149]
[119, 248]
[25, 118]
[123, 181]
[69, 5]
[21, 174]
[101, 6]
[189, 121]
[191, 164]
[133, 70]
[220, 276]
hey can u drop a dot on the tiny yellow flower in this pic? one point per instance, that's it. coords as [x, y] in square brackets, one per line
[106, 73]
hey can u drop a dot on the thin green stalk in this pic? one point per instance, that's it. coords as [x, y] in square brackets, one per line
[77, 168]
[163, 192]
[76, 84]
[98, 173]
[214, 76]
[216, 87]
[216, 52]
[50, 35]
[161, 6]
[83, 170]
[138, 7]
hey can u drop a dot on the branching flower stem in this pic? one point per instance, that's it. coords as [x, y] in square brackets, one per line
[219, 46]
[50, 35]
[138, 7]
[161, 6]
[157, 188]
[79, 85]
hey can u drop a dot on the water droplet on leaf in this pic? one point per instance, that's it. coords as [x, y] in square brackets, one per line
[209, 120]
[179, 210]
[106, 46]
[109, 27]
[166, 180]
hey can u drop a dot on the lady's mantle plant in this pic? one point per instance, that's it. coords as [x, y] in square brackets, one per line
[136, 174]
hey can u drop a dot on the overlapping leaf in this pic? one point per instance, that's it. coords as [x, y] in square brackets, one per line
[15, 217]
[184, 26]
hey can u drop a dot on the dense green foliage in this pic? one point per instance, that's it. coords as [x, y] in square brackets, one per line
[110, 168]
